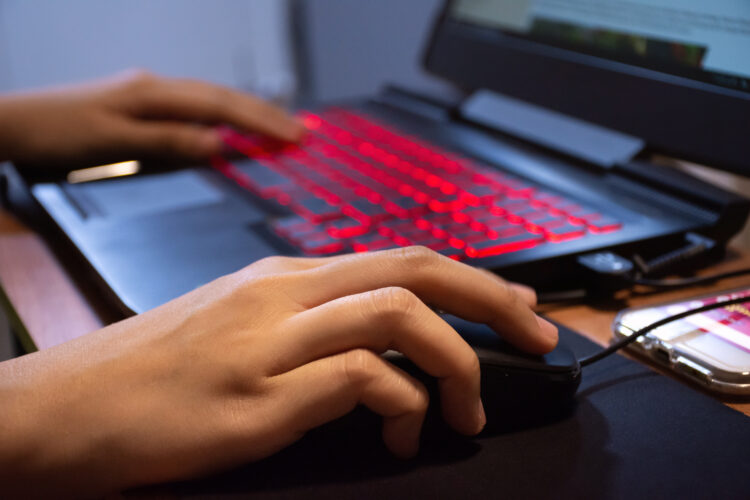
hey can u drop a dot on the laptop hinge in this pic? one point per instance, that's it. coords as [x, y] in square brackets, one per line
[570, 136]
[437, 103]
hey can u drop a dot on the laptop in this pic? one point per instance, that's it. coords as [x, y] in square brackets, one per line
[543, 156]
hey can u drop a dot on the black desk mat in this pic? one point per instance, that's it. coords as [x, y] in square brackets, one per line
[633, 434]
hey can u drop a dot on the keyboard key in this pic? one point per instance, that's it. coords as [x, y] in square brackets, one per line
[261, 178]
[605, 224]
[542, 198]
[321, 246]
[405, 202]
[450, 252]
[291, 224]
[565, 232]
[473, 237]
[381, 244]
[370, 211]
[316, 210]
[489, 248]
[371, 241]
[346, 228]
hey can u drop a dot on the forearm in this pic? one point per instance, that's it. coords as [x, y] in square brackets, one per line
[21, 425]
[90, 416]
[47, 448]
[23, 126]
[44, 128]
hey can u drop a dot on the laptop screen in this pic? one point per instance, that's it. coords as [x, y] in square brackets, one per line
[674, 73]
[702, 40]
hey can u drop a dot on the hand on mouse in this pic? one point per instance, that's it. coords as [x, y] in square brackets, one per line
[244, 366]
[134, 115]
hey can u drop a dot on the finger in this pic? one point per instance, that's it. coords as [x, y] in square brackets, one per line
[206, 102]
[329, 388]
[161, 139]
[391, 318]
[439, 281]
[526, 293]
[288, 264]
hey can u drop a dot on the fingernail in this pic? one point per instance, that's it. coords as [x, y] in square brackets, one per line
[481, 417]
[548, 329]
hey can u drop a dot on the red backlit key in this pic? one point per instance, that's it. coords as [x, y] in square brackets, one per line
[371, 241]
[484, 194]
[381, 244]
[316, 210]
[604, 224]
[516, 207]
[369, 211]
[321, 246]
[489, 248]
[565, 232]
[293, 223]
[261, 178]
[346, 228]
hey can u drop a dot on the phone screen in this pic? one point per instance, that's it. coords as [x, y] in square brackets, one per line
[729, 324]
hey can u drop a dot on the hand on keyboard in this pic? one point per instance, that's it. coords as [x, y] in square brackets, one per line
[132, 116]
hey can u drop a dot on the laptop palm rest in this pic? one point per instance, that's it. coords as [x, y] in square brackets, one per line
[140, 233]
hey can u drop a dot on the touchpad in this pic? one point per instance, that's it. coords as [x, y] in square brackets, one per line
[145, 195]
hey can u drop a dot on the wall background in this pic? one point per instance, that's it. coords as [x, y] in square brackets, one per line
[344, 48]
[240, 43]
[353, 47]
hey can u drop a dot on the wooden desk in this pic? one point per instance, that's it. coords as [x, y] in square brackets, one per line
[49, 307]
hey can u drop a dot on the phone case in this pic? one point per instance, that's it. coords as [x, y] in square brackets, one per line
[710, 348]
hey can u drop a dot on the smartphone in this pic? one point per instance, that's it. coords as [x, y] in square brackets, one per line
[711, 348]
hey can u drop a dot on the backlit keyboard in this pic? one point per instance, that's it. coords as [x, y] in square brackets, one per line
[355, 184]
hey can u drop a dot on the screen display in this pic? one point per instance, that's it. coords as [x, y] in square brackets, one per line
[707, 40]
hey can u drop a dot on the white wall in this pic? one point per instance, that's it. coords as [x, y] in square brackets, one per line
[354, 47]
[234, 42]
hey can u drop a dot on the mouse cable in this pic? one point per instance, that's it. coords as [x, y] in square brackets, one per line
[616, 346]
[665, 284]
[609, 271]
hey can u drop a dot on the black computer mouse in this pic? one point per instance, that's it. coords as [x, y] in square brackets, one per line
[518, 389]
